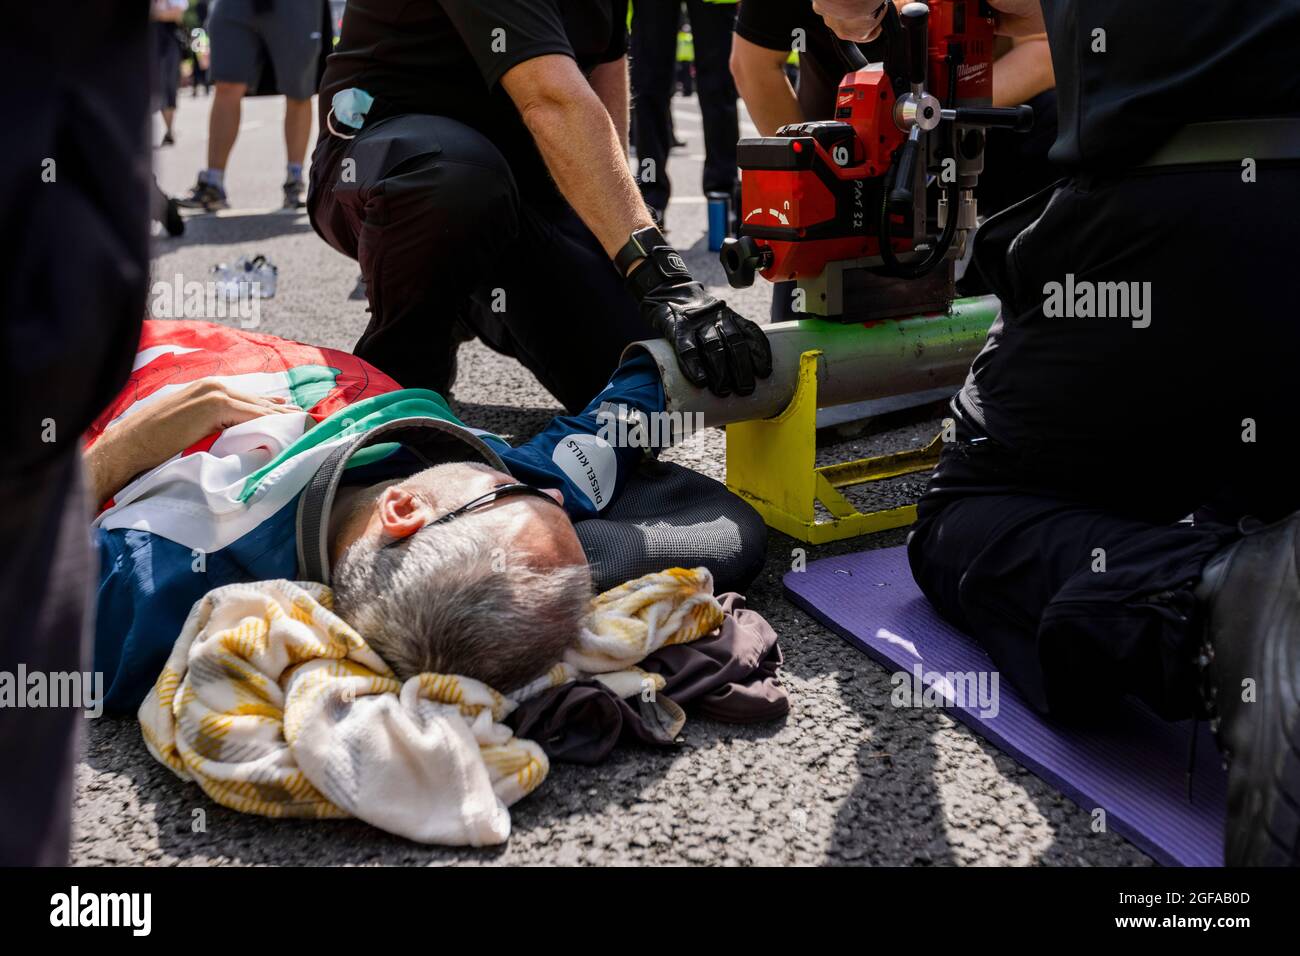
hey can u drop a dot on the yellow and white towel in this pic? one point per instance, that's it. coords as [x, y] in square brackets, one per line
[275, 706]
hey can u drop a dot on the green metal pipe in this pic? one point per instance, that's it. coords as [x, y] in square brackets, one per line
[859, 361]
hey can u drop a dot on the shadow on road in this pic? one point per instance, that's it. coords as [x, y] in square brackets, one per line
[894, 814]
[236, 227]
[510, 422]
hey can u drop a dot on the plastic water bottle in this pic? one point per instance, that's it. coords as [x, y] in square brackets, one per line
[246, 277]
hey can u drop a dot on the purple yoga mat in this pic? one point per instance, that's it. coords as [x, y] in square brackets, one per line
[1134, 768]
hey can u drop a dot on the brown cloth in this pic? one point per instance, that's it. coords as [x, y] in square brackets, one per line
[728, 675]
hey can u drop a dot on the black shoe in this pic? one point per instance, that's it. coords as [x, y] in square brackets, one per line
[293, 194]
[172, 220]
[168, 139]
[205, 196]
[1251, 595]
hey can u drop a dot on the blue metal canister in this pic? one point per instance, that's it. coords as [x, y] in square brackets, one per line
[719, 219]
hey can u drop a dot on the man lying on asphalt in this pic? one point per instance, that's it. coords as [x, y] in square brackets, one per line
[473, 159]
[231, 456]
[1052, 531]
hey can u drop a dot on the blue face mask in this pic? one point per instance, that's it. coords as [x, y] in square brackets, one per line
[351, 105]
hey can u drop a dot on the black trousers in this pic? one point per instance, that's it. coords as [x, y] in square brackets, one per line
[430, 209]
[654, 64]
[46, 573]
[1052, 529]
[74, 190]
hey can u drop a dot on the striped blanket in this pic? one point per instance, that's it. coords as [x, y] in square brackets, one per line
[276, 706]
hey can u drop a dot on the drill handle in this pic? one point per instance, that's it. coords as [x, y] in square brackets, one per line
[1019, 119]
[916, 21]
[850, 55]
[901, 195]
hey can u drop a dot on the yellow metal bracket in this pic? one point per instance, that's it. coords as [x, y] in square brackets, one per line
[772, 464]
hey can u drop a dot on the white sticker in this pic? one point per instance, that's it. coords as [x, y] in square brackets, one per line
[590, 463]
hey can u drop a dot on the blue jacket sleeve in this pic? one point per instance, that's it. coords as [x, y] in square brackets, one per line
[589, 456]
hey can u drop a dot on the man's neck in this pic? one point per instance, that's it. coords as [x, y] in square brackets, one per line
[341, 511]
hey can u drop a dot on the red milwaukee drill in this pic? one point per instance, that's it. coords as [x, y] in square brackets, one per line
[842, 206]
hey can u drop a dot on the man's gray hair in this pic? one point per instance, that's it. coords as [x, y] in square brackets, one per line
[449, 599]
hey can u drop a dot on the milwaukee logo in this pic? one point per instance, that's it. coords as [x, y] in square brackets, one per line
[845, 98]
[971, 71]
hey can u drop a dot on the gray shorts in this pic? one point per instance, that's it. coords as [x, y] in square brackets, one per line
[289, 33]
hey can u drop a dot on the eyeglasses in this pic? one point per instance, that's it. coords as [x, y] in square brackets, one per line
[496, 494]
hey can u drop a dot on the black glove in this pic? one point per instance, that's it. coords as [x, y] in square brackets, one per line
[715, 346]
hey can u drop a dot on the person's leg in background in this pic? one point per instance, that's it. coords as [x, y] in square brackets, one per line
[293, 38]
[431, 211]
[169, 75]
[782, 309]
[234, 65]
[297, 132]
[711, 26]
[654, 60]
[685, 57]
[223, 129]
[74, 183]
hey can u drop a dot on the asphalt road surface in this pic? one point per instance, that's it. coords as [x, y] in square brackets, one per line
[846, 778]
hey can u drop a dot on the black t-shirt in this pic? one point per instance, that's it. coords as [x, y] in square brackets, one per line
[771, 24]
[447, 57]
[1166, 63]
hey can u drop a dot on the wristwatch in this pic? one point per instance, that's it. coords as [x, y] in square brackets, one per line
[661, 264]
[638, 246]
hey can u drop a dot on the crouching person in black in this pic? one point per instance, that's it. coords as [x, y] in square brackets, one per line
[1118, 515]
[472, 157]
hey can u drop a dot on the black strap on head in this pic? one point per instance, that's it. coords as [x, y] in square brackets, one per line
[432, 440]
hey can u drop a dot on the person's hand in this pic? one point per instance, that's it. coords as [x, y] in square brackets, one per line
[856, 20]
[198, 410]
[167, 427]
[715, 346]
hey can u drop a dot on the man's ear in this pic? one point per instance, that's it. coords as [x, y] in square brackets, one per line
[401, 514]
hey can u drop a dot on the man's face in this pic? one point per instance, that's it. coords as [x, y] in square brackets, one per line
[538, 528]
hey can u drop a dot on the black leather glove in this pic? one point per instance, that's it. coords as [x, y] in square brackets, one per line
[715, 346]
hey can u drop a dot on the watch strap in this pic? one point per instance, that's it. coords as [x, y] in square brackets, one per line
[663, 267]
[638, 246]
